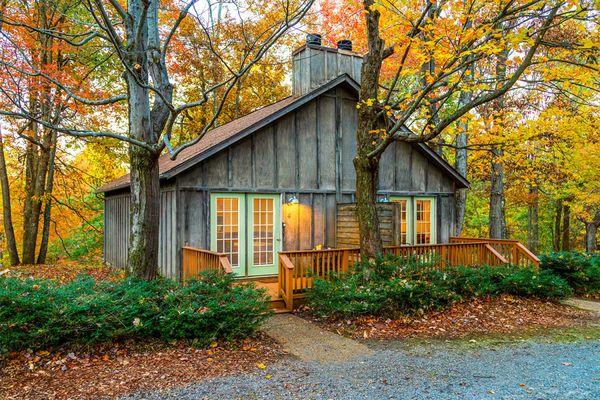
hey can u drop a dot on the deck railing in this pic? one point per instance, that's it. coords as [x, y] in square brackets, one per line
[513, 251]
[196, 261]
[298, 269]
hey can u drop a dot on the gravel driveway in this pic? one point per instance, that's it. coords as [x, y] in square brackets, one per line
[425, 371]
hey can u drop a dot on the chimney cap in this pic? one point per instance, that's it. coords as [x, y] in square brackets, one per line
[314, 39]
[344, 44]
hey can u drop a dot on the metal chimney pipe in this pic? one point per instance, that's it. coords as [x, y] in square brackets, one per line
[313, 39]
[344, 44]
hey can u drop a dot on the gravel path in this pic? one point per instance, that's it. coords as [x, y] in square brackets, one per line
[427, 371]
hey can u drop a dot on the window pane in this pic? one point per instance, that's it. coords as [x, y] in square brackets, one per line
[227, 228]
[423, 221]
[262, 230]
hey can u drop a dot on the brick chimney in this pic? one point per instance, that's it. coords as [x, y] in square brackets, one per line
[315, 64]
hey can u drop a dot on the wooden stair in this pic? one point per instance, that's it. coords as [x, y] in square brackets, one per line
[278, 305]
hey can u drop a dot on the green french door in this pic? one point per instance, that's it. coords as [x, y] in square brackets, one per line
[247, 227]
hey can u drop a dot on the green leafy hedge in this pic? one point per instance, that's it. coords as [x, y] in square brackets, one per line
[391, 286]
[581, 270]
[42, 313]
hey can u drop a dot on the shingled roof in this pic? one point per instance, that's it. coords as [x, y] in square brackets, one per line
[224, 135]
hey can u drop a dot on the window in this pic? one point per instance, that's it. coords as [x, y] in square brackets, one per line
[404, 223]
[423, 225]
[227, 235]
[263, 231]
[417, 220]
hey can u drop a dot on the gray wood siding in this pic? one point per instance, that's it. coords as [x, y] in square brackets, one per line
[167, 238]
[116, 232]
[307, 153]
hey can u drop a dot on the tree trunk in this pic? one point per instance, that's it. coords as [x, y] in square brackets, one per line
[591, 228]
[557, 226]
[48, 203]
[497, 214]
[566, 228]
[532, 219]
[591, 242]
[366, 165]
[145, 213]
[9, 231]
[367, 171]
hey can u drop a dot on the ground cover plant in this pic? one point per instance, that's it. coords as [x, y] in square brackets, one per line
[581, 270]
[392, 286]
[42, 313]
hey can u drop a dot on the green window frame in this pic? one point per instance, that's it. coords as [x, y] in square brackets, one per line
[412, 236]
[233, 231]
[222, 224]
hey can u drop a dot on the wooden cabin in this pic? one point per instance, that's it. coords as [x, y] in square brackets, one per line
[282, 178]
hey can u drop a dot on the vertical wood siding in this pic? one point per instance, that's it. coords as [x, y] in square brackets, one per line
[167, 238]
[116, 232]
[307, 153]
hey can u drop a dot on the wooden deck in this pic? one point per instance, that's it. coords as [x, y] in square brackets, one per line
[298, 269]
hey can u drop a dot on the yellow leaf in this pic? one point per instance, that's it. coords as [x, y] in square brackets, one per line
[261, 365]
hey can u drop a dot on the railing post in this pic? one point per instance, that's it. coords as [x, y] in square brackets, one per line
[443, 256]
[345, 260]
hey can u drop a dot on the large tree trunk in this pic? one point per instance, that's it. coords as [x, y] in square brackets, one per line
[557, 226]
[142, 255]
[48, 203]
[591, 241]
[497, 215]
[367, 171]
[591, 228]
[144, 214]
[566, 228]
[367, 167]
[9, 231]
[532, 220]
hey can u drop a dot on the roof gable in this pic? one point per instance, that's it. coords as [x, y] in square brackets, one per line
[221, 137]
[225, 135]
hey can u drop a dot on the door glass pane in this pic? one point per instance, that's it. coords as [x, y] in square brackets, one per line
[403, 221]
[228, 228]
[262, 231]
[423, 222]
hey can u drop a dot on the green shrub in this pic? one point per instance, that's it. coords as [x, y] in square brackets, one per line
[42, 313]
[390, 286]
[581, 270]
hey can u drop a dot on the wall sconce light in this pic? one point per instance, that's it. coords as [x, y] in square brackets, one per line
[292, 199]
[383, 198]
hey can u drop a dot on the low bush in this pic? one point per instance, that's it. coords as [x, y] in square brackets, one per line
[390, 286]
[36, 313]
[581, 270]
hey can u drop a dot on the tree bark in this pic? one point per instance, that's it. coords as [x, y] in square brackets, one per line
[9, 231]
[145, 125]
[48, 203]
[497, 214]
[532, 220]
[566, 228]
[557, 225]
[497, 200]
[591, 229]
[367, 171]
[144, 208]
[367, 167]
